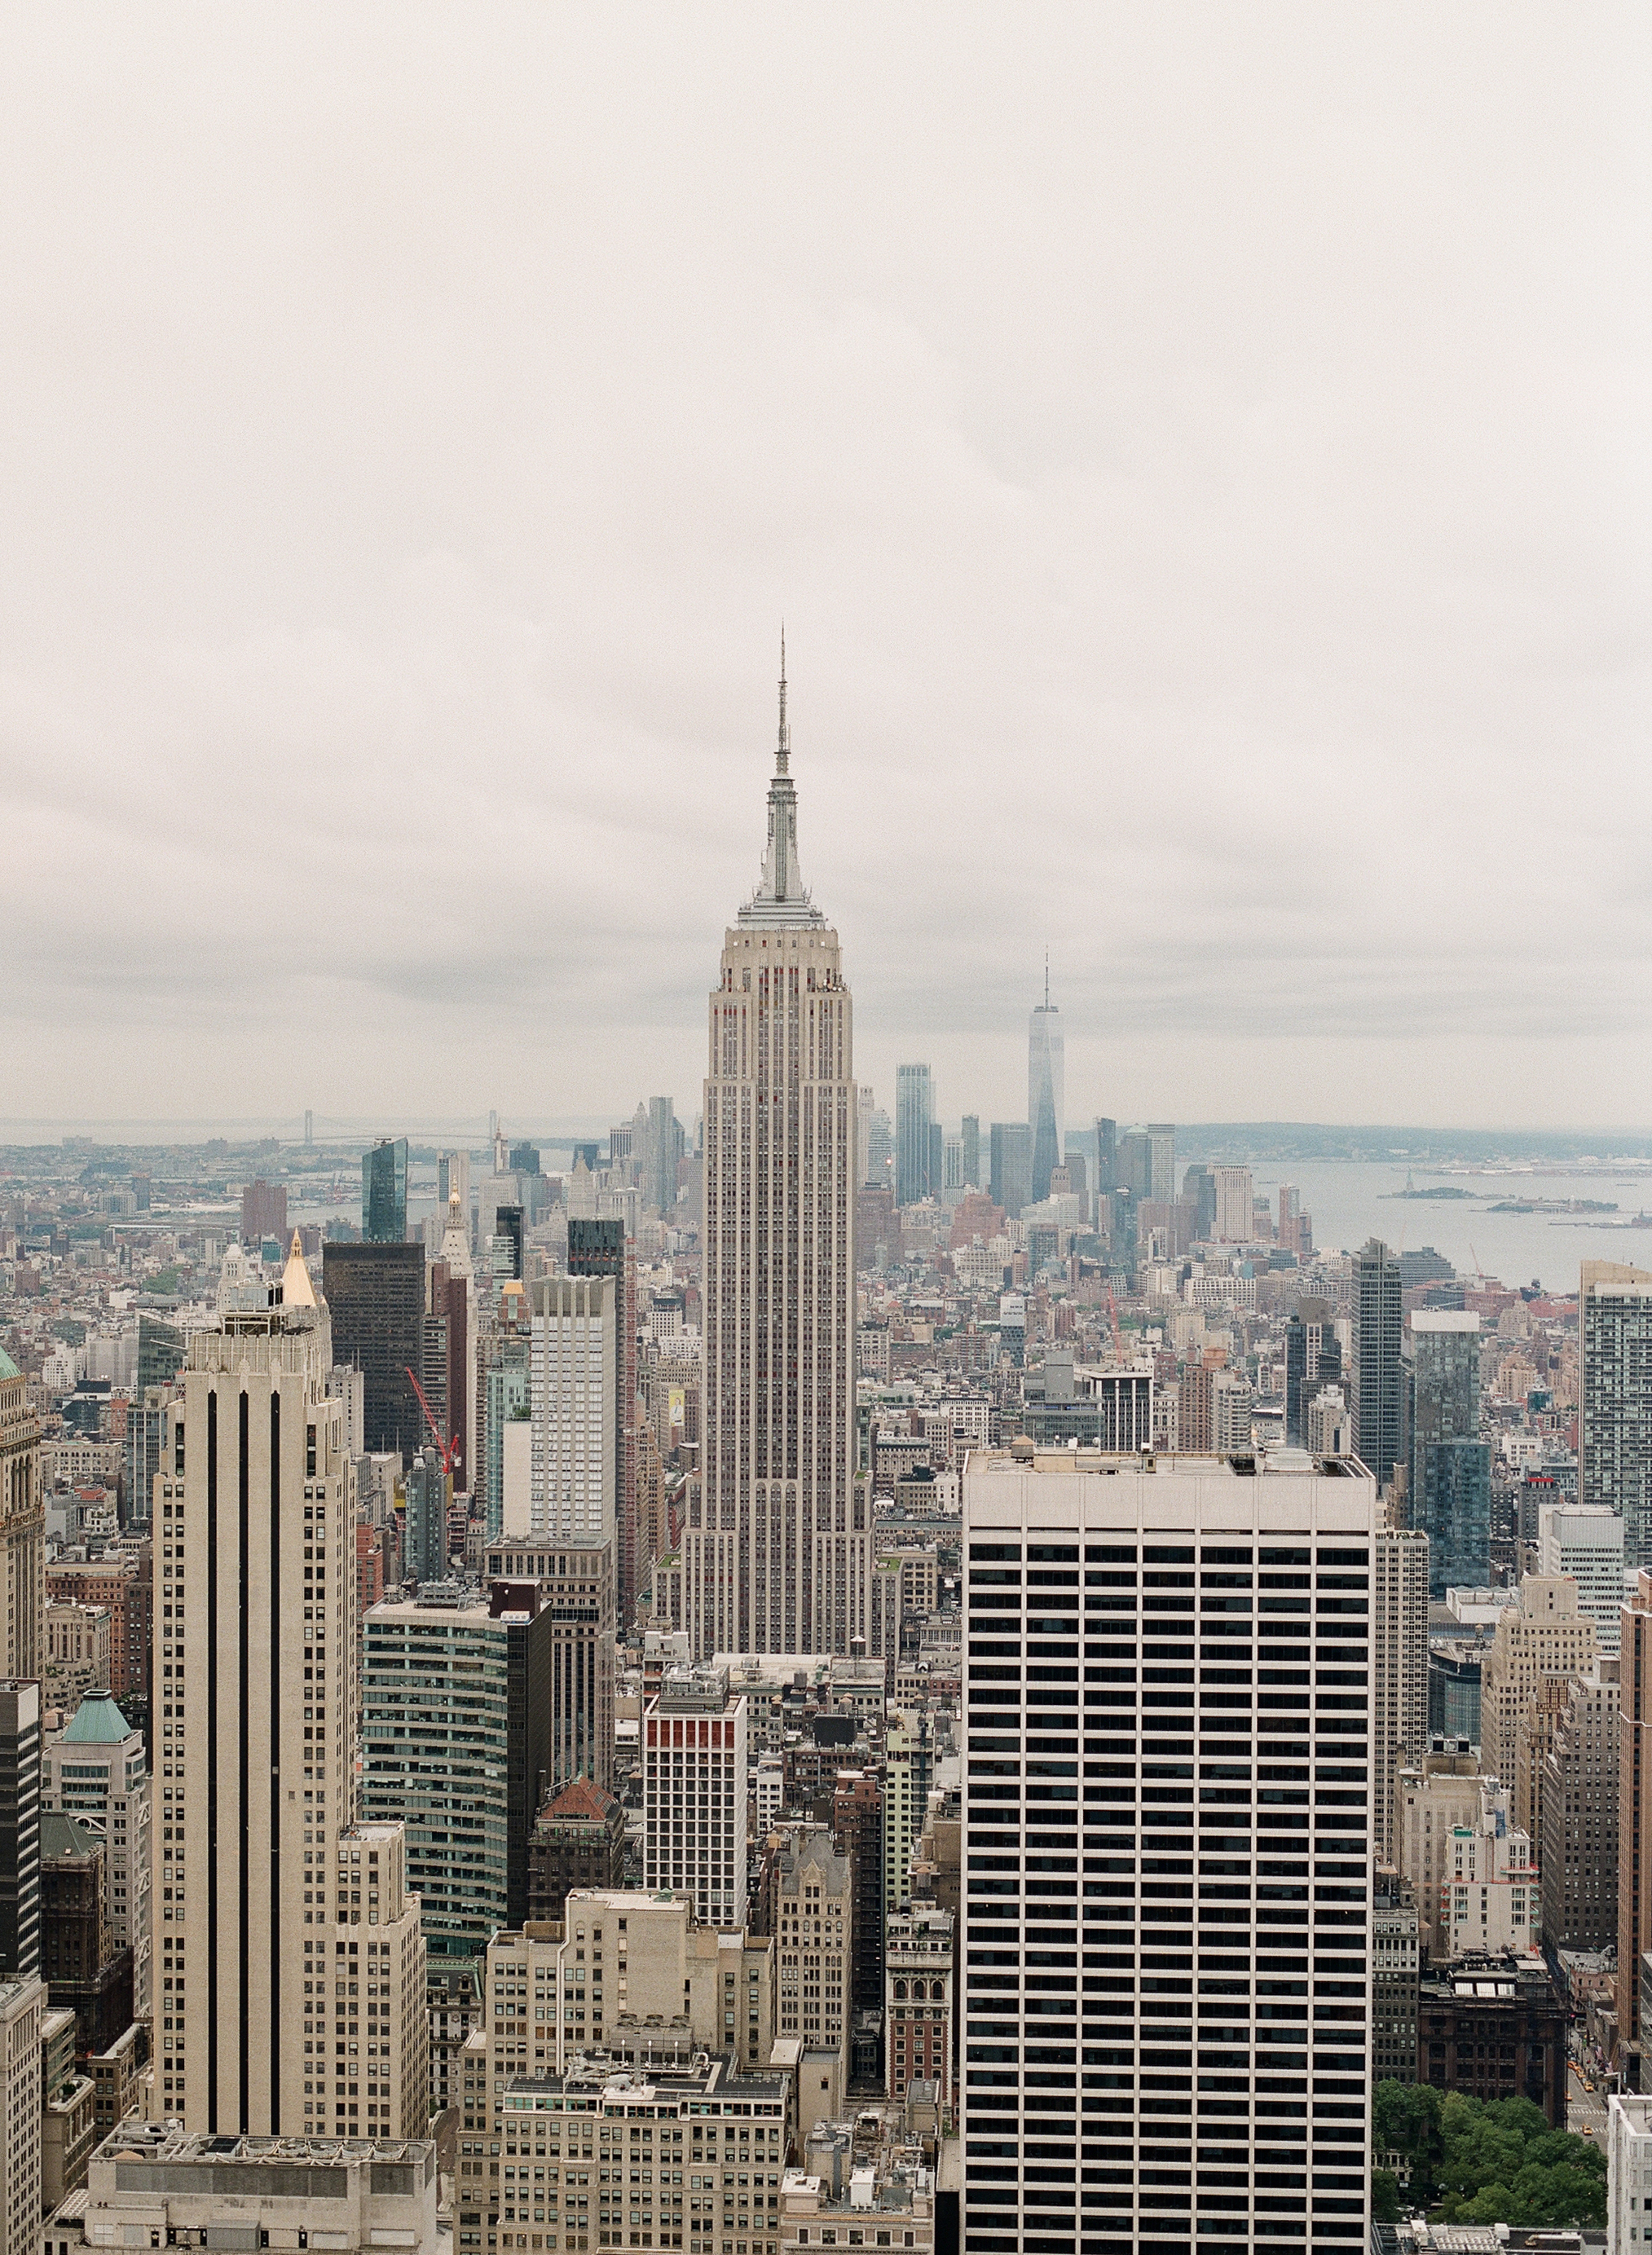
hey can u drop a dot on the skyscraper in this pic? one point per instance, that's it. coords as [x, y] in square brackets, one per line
[1236, 1210]
[269, 1891]
[601, 1248]
[384, 1192]
[1399, 1669]
[573, 1406]
[1615, 1424]
[777, 1549]
[1313, 1359]
[1046, 1090]
[1161, 1135]
[1106, 1157]
[21, 1528]
[456, 1739]
[1011, 1179]
[914, 1117]
[1185, 1944]
[1378, 1396]
[694, 1793]
[376, 1298]
[1451, 1474]
[970, 1136]
[19, 1829]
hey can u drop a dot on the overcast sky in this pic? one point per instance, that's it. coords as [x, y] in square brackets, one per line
[1200, 455]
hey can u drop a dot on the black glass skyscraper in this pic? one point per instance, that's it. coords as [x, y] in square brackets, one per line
[384, 1192]
[376, 1297]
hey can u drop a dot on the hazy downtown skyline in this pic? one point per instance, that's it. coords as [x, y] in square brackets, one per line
[1200, 459]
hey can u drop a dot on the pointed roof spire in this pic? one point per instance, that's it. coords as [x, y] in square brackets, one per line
[783, 755]
[781, 896]
[297, 1290]
[1046, 978]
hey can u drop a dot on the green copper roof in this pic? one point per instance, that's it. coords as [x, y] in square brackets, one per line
[7, 1368]
[97, 1722]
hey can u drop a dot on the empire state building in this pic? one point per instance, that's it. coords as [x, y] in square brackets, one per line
[777, 1553]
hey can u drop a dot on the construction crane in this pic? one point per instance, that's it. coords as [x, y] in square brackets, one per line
[445, 1448]
[1112, 1317]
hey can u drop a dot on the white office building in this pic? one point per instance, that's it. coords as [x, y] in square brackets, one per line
[694, 1791]
[574, 1377]
[1628, 2171]
[1168, 1851]
[1585, 1540]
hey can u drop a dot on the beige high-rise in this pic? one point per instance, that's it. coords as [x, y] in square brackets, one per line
[777, 1553]
[1399, 1669]
[268, 1906]
[1544, 1633]
[22, 1530]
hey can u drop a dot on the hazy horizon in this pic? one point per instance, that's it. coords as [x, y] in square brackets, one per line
[1200, 458]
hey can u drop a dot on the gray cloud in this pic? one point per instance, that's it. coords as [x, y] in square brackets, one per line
[1202, 460]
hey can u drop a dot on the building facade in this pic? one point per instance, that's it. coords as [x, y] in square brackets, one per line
[374, 1296]
[1585, 1540]
[97, 1769]
[1492, 2026]
[1395, 1966]
[1377, 1396]
[1578, 1853]
[1543, 1633]
[255, 1734]
[1614, 1409]
[1399, 1669]
[21, 1528]
[576, 1593]
[777, 1553]
[156, 2177]
[455, 1727]
[574, 1408]
[22, 2012]
[384, 1192]
[19, 1830]
[917, 1980]
[1451, 1494]
[1168, 1721]
[914, 1121]
[694, 1764]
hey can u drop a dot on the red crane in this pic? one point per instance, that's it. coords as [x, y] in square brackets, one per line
[447, 1449]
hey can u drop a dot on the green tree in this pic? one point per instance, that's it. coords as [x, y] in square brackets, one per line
[1385, 2197]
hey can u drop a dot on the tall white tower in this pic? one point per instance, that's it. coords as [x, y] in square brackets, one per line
[777, 1549]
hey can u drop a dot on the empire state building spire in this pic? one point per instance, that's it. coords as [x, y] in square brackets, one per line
[782, 897]
[778, 1541]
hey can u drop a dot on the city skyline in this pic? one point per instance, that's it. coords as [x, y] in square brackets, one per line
[1196, 644]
